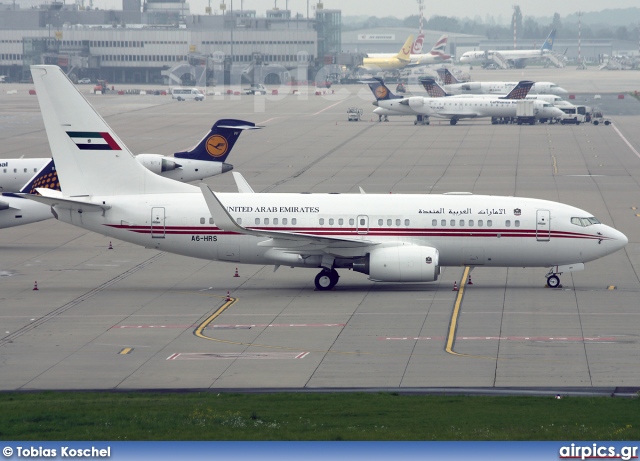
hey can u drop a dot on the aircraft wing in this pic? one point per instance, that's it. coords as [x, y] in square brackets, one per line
[280, 239]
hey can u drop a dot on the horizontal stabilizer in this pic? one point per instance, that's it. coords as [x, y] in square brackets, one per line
[65, 203]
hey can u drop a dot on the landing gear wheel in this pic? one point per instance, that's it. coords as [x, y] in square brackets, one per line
[453, 121]
[326, 280]
[553, 281]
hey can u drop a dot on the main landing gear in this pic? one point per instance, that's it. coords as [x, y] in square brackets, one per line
[553, 281]
[453, 121]
[326, 279]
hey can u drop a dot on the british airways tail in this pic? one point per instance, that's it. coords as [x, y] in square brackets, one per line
[433, 89]
[447, 77]
[46, 178]
[440, 47]
[380, 90]
[217, 144]
[520, 91]
[91, 158]
[548, 43]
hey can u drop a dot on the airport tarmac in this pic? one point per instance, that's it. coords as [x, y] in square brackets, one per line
[132, 318]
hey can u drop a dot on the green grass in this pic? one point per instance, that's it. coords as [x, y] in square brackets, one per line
[289, 416]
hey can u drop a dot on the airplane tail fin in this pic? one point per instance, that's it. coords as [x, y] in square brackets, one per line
[446, 76]
[405, 52]
[548, 43]
[380, 90]
[432, 87]
[90, 158]
[520, 91]
[417, 45]
[217, 144]
[46, 178]
[440, 46]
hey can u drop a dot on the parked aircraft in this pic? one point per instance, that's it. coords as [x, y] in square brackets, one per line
[436, 55]
[506, 58]
[453, 86]
[456, 108]
[389, 237]
[203, 160]
[394, 62]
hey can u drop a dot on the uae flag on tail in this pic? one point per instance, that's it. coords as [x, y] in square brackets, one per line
[87, 140]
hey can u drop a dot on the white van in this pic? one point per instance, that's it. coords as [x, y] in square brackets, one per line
[183, 94]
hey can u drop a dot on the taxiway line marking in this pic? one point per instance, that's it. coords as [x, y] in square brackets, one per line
[327, 108]
[625, 141]
[125, 351]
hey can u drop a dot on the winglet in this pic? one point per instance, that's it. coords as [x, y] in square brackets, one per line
[221, 217]
[243, 185]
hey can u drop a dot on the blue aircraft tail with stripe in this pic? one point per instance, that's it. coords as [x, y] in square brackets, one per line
[548, 43]
[217, 144]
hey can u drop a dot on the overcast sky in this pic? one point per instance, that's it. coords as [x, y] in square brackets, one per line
[404, 8]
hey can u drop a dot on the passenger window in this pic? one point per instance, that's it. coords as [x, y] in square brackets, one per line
[389, 222]
[453, 223]
[507, 223]
[201, 220]
[294, 221]
[284, 221]
[462, 223]
[471, 223]
[257, 220]
[479, 222]
[275, 221]
[331, 221]
[517, 223]
[434, 222]
[210, 220]
[489, 223]
[397, 222]
[239, 220]
[321, 221]
[266, 221]
[362, 221]
[351, 222]
[443, 223]
[341, 221]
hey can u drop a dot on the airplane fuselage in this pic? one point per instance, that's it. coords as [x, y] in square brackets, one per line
[483, 57]
[500, 88]
[465, 229]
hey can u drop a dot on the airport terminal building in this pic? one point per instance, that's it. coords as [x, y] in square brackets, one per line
[161, 42]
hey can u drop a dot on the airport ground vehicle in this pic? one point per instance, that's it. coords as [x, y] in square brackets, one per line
[597, 118]
[572, 115]
[354, 114]
[84, 80]
[184, 94]
[258, 88]
[101, 85]
[526, 112]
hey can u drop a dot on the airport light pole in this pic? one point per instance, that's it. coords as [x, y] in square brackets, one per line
[580, 37]
[515, 27]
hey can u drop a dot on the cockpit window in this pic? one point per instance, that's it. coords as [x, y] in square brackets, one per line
[584, 222]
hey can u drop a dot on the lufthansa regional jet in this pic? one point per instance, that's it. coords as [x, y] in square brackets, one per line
[391, 238]
[206, 159]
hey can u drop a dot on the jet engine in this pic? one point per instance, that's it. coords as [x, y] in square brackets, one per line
[416, 102]
[403, 263]
[157, 163]
[470, 86]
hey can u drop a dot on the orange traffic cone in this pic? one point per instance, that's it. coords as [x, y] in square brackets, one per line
[236, 274]
[35, 286]
[228, 297]
[455, 286]
[469, 282]
[110, 246]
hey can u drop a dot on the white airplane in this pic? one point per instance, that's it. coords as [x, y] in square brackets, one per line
[456, 108]
[453, 86]
[516, 58]
[207, 158]
[389, 237]
[436, 55]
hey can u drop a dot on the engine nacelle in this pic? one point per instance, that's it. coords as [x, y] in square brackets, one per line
[416, 102]
[471, 86]
[157, 163]
[406, 263]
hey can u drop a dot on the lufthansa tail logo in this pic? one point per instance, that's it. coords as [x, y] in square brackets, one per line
[217, 145]
[381, 92]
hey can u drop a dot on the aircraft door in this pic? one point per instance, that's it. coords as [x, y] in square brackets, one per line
[543, 225]
[157, 223]
[362, 224]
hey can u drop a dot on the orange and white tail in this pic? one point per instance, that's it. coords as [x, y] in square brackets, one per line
[417, 45]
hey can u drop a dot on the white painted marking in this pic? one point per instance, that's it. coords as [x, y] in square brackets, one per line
[327, 108]
[626, 142]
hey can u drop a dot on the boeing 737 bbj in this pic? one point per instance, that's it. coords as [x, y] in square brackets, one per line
[392, 238]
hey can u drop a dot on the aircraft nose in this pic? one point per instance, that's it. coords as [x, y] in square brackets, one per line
[618, 239]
